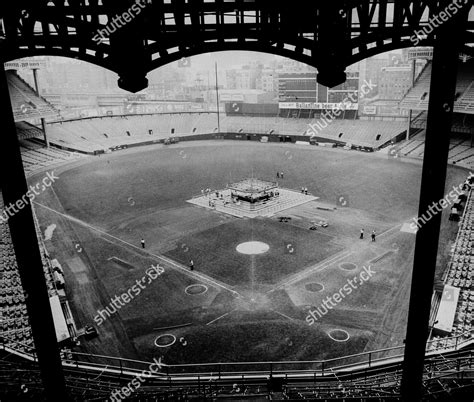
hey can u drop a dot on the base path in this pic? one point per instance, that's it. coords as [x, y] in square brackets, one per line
[165, 261]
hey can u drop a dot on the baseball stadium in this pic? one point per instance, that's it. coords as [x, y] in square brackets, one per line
[237, 245]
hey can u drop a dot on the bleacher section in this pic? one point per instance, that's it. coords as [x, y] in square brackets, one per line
[460, 270]
[467, 99]
[419, 121]
[461, 123]
[462, 155]
[413, 147]
[15, 330]
[418, 96]
[37, 158]
[371, 134]
[460, 151]
[26, 131]
[27, 105]
[99, 134]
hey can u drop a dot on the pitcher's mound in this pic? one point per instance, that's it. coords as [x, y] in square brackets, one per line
[252, 248]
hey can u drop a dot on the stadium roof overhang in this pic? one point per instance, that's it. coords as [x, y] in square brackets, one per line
[132, 38]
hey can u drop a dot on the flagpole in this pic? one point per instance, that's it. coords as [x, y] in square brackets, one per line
[217, 101]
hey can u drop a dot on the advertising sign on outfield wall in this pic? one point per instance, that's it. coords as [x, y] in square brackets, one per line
[369, 110]
[325, 106]
[25, 64]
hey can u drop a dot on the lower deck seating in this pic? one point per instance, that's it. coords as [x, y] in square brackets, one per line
[460, 273]
[99, 134]
[36, 157]
[460, 150]
[94, 134]
[14, 326]
[15, 329]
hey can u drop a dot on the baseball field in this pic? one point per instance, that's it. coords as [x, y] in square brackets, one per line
[234, 306]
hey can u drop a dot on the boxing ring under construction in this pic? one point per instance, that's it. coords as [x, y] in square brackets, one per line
[250, 198]
[254, 190]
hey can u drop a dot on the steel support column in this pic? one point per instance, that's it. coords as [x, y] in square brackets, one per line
[14, 187]
[442, 91]
[410, 112]
[43, 121]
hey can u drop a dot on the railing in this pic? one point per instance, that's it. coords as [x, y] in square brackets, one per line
[247, 370]
[124, 116]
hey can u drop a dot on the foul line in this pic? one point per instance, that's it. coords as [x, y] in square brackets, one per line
[319, 266]
[218, 318]
[284, 315]
[389, 230]
[323, 264]
[173, 264]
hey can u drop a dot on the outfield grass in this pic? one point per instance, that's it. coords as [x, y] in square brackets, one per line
[160, 179]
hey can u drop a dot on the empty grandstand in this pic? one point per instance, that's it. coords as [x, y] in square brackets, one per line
[30, 109]
[418, 96]
[15, 328]
[459, 275]
[82, 315]
[109, 133]
[27, 104]
[461, 151]
[102, 134]
[37, 158]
